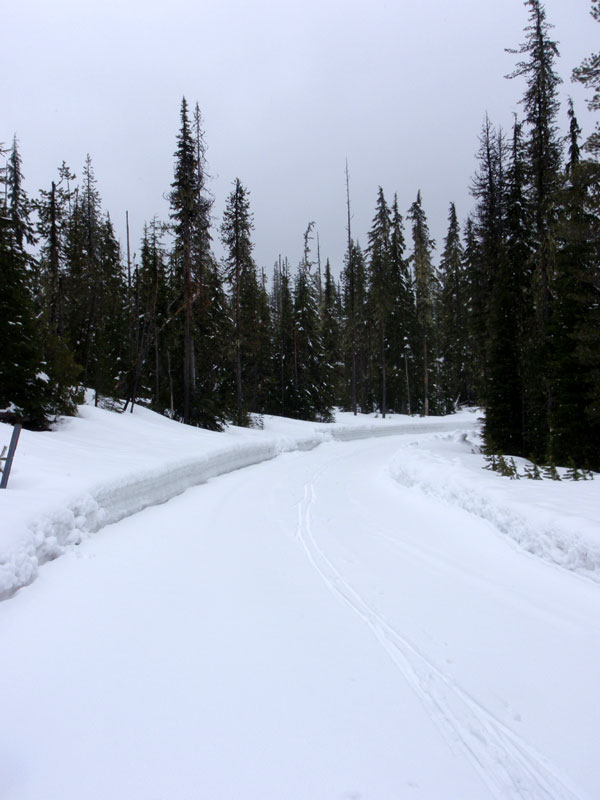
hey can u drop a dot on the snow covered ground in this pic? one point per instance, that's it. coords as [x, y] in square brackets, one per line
[373, 618]
[102, 466]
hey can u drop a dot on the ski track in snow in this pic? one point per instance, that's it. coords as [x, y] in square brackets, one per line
[47, 535]
[508, 766]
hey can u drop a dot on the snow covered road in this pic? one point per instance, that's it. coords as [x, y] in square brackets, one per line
[303, 629]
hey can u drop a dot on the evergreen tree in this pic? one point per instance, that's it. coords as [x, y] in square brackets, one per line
[540, 102]
[380, 298]
[424, 286]
[574, 365]
[241, 274]
[24, 395]
[198, 296]
[53, 209]
[402, 317]
[484, 259]
[313, 386]
[452, 315]
[331, 333]
[355, 317]
[184, 213]
[283, 387]
[474, 362]
[510, 317]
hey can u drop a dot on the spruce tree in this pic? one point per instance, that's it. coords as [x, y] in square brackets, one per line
[452, 316]
[185, 213]
[283, 387]
[331, 332]
[313, 379]
[489, 189]
[200, 307]
[380, 298]
[510, 316]
[424, 291]
[241, 275]
[540, 102]
[23, 380]
[574, 348]
[356, 329]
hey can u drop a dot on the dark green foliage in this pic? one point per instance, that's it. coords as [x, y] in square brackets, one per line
[551, 472]
[381, 297]
[200, 321]
[540, 102]
[283, 388]
[507, 318]
[453, 300]
[31, 386]
[424, 295]
[574, 427]
[532, 471]
[402, 320]
[356, 334]
[331, 332]
[251, 346]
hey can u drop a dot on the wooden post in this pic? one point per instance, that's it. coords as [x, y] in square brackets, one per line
[9, 458]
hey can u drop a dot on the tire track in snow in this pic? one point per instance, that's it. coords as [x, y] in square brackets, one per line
[509, 767]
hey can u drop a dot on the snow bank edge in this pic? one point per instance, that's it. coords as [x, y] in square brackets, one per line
[48, 536]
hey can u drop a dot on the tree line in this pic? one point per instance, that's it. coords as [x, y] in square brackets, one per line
[508, 318]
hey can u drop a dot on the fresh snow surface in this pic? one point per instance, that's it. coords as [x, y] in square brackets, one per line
[101, 466]
[373, 618]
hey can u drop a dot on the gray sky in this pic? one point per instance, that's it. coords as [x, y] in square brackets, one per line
[287, 91]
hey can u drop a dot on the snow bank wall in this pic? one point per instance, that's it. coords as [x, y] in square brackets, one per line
[569, 541]
[48, 534]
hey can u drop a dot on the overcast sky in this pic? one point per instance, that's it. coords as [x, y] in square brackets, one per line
[287, 90]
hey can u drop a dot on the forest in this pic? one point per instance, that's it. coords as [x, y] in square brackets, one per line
[509, 319]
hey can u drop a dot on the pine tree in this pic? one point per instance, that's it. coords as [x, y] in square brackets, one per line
[402, 317]
[424, 285]
[198, 295]
[354, 308]
[574, 427]
[283, 388]
[487, 252]
[452, 315]
[313, 388]
[184, 213]
[53, 209]
[505, 426]
[540, 102]
[23, 382]
[380, 299]
[331, 333]
[474, 358]
[241, 276]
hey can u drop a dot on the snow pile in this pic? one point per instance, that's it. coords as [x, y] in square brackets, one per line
[101, 467]
[556, 521]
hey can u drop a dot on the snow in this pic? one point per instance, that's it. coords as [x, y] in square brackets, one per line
[100, 467]
[360, 616]
[556, 521]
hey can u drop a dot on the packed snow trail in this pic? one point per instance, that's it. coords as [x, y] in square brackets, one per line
[305, 629]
